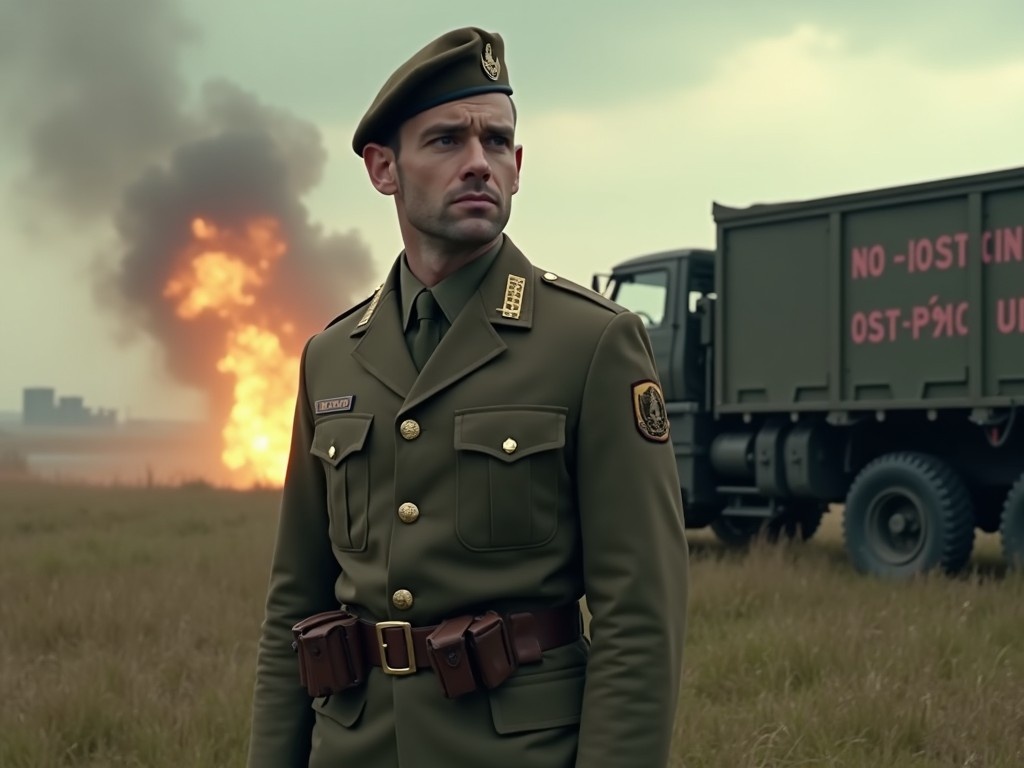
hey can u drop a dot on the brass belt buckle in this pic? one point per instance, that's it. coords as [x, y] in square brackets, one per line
[406, 627]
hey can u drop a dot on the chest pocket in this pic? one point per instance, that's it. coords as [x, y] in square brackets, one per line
[340, 443]
[511, 475]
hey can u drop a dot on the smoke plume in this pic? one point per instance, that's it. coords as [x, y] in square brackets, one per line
[94, 92]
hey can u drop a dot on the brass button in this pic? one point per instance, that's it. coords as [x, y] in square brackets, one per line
[330, 452]
[410, 430]
[509, 446]
[550, 276]
[402, 599]
[408, 512]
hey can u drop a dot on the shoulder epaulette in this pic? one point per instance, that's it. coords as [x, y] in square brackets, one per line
[354, 308]
[550, 278]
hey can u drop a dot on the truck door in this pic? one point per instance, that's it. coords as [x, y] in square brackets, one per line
[647, 290]
[700, 294]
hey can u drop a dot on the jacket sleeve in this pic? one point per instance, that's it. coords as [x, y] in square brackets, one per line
[302, 578]
[635, 561]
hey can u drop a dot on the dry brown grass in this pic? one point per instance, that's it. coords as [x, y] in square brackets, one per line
[128, 622]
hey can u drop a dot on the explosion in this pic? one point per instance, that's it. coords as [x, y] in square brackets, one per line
[213, 254]
[221, 270]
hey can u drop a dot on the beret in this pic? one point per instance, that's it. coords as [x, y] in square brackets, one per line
[462, 63]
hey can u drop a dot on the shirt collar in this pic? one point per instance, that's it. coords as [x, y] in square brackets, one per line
[453, 292]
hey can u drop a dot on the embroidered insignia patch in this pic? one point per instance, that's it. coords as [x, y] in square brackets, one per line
[649, 411]
[492, 67]
[334, 404]
[513, 305]
[372, 307]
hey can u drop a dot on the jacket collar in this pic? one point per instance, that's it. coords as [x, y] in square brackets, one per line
[505, 297]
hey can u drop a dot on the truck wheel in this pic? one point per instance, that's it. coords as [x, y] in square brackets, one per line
[908, 513]
[736, 530]
[1011, 530]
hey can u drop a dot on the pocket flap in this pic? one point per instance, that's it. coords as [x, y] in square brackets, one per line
[510, 432]
[343, 708]
[344, 434]
[542, 700]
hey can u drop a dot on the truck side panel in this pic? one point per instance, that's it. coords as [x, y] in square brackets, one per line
[904, 322]
[777, 342]
[1004, 287]
[901, 298]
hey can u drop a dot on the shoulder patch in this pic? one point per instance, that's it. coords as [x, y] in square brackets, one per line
[557, 281]
[353, 309]
[649, 412]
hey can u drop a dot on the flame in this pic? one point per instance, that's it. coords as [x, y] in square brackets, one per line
[222, 269]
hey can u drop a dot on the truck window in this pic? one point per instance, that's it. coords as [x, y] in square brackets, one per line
[644, 293]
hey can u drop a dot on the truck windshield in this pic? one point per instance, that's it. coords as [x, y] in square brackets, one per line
[644, 293]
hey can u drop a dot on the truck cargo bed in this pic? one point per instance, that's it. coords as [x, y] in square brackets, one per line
[907, 297]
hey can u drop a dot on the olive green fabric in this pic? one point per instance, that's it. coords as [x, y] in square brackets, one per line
[458, 64]
[452, 293]
[583, 505]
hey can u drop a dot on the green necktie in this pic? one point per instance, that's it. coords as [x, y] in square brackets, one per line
[428, 331]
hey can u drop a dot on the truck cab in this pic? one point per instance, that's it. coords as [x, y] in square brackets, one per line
[673, 293]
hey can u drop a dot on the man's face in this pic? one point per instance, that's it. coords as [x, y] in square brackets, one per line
[457, 170]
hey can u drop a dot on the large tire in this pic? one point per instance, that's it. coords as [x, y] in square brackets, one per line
[908, 513]
[1011, 528]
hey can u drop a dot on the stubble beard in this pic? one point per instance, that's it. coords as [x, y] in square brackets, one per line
[458, 233]
[448, 233]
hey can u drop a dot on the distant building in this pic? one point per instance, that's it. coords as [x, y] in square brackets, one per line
[41, 407]
[37, 406]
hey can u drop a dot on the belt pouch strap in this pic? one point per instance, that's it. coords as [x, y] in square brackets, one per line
[527, 644]
[492, 649]
[449, 656]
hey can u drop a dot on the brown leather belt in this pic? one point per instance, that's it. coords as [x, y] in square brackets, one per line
[530, 633]
[336, 649]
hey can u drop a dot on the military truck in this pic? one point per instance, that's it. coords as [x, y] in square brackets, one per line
[863, 350]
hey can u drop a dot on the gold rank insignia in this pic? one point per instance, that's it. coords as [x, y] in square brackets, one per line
[492, 67]
[373, 306]
[514, 288]
[649, 411]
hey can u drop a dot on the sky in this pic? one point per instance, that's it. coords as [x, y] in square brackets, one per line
[118, 118]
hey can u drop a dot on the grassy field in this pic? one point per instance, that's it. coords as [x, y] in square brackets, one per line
[128, 622]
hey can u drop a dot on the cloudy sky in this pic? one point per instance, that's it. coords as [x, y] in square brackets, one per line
[635, 117]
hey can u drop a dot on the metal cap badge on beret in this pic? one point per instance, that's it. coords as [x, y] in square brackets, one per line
[459, 64]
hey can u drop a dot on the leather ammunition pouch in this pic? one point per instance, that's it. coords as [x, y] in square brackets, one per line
[467, 653]
[330, 652]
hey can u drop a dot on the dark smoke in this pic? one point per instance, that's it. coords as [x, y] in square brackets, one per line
[251, 161]
[93, 90]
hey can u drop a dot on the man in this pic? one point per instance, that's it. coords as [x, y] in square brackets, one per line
[475, 447]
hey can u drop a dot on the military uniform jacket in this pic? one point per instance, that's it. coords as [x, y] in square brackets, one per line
[526, 465]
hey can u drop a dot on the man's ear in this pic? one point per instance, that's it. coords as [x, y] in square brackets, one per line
[380, 167]
[519, 168]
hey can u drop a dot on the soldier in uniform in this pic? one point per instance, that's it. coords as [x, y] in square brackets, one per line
[476, 447]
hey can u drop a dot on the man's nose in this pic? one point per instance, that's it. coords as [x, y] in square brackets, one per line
[477, 163]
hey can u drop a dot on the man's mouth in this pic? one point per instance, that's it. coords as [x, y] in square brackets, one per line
[476, 197]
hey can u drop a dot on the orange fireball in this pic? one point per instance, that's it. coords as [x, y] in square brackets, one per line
[221, 271]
